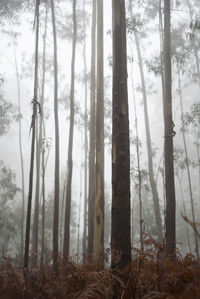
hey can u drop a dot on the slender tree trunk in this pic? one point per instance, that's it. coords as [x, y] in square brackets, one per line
[79, 216]
[120, 227]
[37, 194]
[63, 211]
[92, 181]
[168, 134]
[20, 142]
[99, 200]
[149, 148]
[35, 97]
[43, 208]
[187, 166]
[161, 48]
[43, 136]
[66, 242]
[86, 140]
[56, 182]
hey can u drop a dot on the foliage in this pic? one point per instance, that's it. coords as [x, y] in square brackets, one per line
[8, 216]
[150, 275]
[6, 115]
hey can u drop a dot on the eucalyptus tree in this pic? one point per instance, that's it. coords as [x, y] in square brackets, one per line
[56, 174]
[35, 103]
[120, 227]
[92, 181]
[66, 242]
[99, 200]
[168, 137]
[86, 134]
[42, 133]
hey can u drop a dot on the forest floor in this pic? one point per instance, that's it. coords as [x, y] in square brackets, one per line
[151, 276]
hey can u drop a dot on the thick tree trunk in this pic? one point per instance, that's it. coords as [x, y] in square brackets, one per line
[35, 97]
[66, 242]
[120, 227]
[92, 181]
[168, 135]
[149, 148]
[56, 179]
[99, 200]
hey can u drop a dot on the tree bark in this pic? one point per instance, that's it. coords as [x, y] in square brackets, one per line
[168, 135]
[120, 227]
[92, 180]
[99, 200]
[66, 242]
[56, 178]
[35, 97]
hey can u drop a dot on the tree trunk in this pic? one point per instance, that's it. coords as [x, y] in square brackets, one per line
[43, 136]
[168, 135]
[56, 178]
[79, 217]
[120, 231]
[86, 140]
[66, 242]
[92, 181]
[99, 200]
[35, 97]
[37, 194]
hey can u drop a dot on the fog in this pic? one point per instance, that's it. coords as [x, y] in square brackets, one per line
[20, 25]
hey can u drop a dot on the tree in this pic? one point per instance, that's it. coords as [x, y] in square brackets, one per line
[42, 132]
[56, 181]
[35, 103]
[99, 200]
[66, 242]
[86, 138]
[120, 231]
[168, 135]
[92, 181]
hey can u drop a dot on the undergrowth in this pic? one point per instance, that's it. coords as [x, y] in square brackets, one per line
[150, 276]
